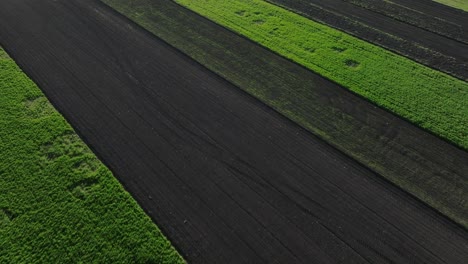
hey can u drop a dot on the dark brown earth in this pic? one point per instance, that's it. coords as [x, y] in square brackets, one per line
[226, 178]
[436, 50]
[393, 148]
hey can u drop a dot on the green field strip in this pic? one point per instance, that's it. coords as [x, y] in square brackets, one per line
[288, 88]
[460, 4]
[58, 202]
[428, 98]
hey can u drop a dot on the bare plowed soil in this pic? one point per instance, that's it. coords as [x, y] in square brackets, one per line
[226, 178]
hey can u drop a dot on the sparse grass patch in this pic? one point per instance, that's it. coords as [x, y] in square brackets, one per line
[351, 63]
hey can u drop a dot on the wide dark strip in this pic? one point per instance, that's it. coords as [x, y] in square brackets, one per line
[227, 179]
[395, 149]
[429, 48]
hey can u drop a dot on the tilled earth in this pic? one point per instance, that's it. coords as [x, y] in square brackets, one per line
[394, 148]
[225, 177]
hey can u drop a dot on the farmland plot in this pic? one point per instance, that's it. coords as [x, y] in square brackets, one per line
[397, 150]
[230, 179]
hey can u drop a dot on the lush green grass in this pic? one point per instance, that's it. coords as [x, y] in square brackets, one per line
[431, 99]
[460, 4]
[58, 202]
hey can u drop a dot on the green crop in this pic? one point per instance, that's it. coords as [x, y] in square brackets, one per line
[428, 98]
[58, 202]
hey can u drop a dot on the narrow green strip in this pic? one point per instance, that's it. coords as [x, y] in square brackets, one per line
[428, 98]
[58, 202]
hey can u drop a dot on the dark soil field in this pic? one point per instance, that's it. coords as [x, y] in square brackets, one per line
[395, 149]
[225, 177]
[432, 34]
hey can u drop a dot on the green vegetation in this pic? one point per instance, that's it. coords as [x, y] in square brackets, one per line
[58, 202]
[430, 99]
[460, 4]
